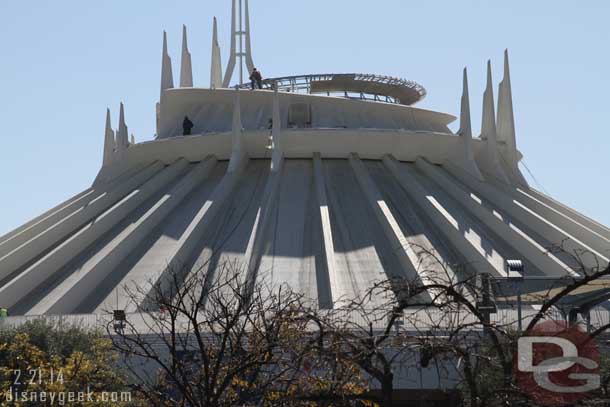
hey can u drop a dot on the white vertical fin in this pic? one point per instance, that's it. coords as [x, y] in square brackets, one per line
[216, 71]
[167, 77]
[122, 139]
[233, 56]
[238, 147]
[490, 156]
[186, 68]
[249, 62]
[506, 125]
[278, 153]
[465, 132]
[108, 140]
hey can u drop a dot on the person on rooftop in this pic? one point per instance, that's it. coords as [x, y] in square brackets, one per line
[187, 126]
[257, 79]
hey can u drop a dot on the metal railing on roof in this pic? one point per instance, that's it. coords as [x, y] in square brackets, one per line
[302, 84]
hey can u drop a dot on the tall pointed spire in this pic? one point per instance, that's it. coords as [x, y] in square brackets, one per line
[237, 38]
[506, 124]
[122, 138]
[167, 77]
[108, 140]
[186, 68]
[216, 71]
[465, 132]
[488, 131]
[249, 62]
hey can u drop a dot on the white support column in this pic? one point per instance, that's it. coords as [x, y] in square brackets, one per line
[233, 54]
[490, 157]
[109, 143]
[327, 232]
[278, 152]
[186, 68]
[122, 138]
[132, 140]
[506, 126]
[238, 153]
[241, 34]
[249, 62]
[468, 161]
[167, 78]
[216, 70]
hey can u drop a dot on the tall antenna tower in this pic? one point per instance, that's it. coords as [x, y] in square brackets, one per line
[240, 42]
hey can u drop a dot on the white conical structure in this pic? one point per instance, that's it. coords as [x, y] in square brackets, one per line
[276, 136]
[490, 156]
[133, 139]
[186, 67]
[122, 138]
[216, 70]
[237, 149]
[239, 35]
[167, 77]
[465, 132]
[506, 125]
[109, 144]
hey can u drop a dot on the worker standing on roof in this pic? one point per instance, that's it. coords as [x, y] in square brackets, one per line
[187, 126]
[257, 79]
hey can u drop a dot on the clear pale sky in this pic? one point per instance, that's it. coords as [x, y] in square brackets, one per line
[63, 62]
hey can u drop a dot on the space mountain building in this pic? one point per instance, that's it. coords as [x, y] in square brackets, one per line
[324, 182]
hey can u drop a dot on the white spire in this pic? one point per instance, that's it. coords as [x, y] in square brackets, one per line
[216, 71]
[109, 144]
[237, 149]
[186, 68]
[465, 132]
[249, 62]
[122, 138]
[276, 136]
[237, 37]
[488, 131]
[167, 77]
[506, 124]
[133, 139]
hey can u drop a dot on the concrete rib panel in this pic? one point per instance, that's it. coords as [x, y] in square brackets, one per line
[459, 230]
[293, 243]
[499, 225]
[153, 254]
[61, 212]
[51, 212]
[487, 241]
[79, 286]
[532, 222]
[570, 213]
[222, 247]
[87, 235]
[435, 255]
[65, 227]
[362, 253]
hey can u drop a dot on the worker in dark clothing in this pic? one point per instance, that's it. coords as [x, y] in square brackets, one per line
[257, 79]
[187, 126]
